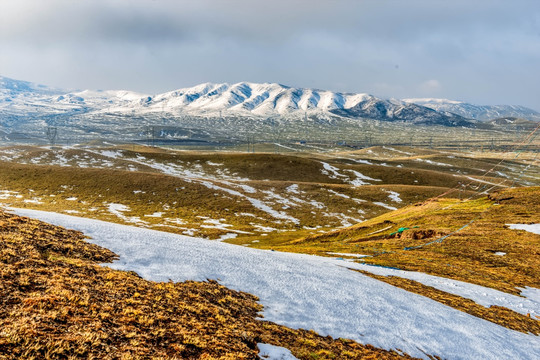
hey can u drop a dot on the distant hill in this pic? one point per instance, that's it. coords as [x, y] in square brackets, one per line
[477, 112]
[514, 123]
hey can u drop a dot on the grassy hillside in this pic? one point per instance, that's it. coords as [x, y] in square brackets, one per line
[57, 303]
[472, 238]
[215, 195]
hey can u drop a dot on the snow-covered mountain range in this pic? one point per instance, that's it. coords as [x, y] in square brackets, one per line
[478, 112]
[31, 107]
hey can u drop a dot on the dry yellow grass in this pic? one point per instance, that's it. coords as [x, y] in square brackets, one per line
[467, 255]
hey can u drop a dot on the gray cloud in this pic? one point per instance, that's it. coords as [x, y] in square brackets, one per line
[485, 51]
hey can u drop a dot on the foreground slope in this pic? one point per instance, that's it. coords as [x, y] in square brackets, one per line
[322, 294]
[57, 303]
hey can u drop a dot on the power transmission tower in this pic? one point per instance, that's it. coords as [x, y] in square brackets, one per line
[251, 143]
[277, 135]
[52, 134]
[153, 134]
[150, 135]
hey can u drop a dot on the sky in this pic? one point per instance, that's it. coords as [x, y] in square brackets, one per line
[481, 51]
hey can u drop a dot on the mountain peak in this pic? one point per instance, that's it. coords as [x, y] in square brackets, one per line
[18, 86]
[421, 101]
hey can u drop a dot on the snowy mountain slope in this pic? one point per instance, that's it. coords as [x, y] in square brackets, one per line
[243, 99]
[478, 112]
[22, 98]
[249, 98]
[392, 110]
[279, 100]
[16, 87]
[29, 108]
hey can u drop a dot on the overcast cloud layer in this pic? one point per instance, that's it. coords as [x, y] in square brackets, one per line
[481, 51]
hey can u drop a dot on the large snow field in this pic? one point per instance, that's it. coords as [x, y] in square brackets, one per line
[310, 292]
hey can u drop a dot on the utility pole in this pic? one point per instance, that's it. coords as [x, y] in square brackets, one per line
[277, 134]
[150, 136]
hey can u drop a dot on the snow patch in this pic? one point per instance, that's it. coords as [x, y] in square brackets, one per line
[331, 171]
[389, 207]
[227, 236]
[339, 194]
[394, 196]
[112, 154]
[119, 209]
[530, 304]
[33, 201]
[271, 352]
[534, 228]
[292, 189]
[157, 214]
[431, 162]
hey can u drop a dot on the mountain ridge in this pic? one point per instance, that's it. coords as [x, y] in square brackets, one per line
[208, 109]
[477, 112]
[257, 99]
[207, 99]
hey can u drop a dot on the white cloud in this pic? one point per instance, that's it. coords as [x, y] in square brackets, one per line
[390, 48]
